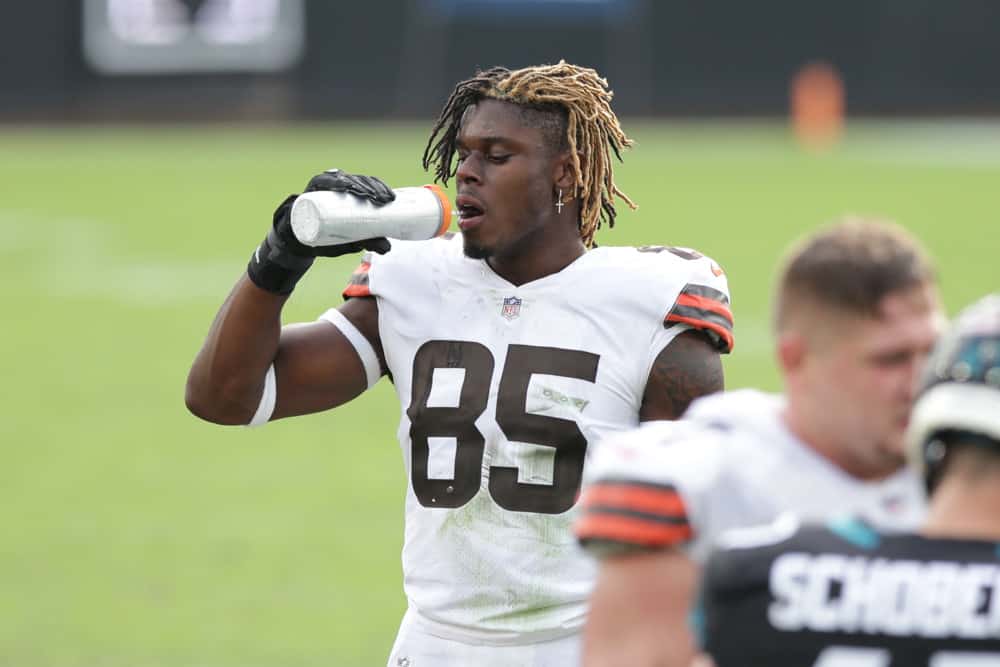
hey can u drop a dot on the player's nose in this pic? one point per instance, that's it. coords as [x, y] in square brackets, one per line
[470, 169]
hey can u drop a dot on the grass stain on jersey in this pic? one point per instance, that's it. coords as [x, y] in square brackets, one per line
[487, 537]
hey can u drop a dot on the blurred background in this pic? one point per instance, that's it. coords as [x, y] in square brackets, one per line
[144, 144]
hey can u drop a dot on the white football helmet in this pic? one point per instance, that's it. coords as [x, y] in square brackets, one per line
[960, 390]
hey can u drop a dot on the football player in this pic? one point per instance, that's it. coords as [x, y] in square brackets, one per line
[856, 315]
[513, 346]
[846, 595]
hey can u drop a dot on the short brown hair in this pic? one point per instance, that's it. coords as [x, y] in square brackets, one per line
[851, 266]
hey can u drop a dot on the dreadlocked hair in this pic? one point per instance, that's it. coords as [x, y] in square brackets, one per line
[583, 102]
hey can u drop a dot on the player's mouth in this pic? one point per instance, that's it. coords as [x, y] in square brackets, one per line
[470, 212]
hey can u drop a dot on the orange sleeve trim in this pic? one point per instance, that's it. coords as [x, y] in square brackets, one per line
[705, 303]
[722, 331]
[357, 290]
[614, 528]
[363, 268]
[636, 498]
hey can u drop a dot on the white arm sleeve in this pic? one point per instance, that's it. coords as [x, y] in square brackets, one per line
[373, 371]
[266, 407]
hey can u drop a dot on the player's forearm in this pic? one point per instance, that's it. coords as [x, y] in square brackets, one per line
[645, 644]
[227, 377]
[638, 612]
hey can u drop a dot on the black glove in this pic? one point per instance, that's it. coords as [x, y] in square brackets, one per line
[366, 187]
[281, 259]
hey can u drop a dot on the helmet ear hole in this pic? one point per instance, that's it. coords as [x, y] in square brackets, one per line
[934, 454]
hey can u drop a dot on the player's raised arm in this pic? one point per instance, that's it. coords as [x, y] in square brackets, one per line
[249, 369]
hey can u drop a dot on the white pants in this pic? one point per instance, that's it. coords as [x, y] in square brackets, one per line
[415, 647]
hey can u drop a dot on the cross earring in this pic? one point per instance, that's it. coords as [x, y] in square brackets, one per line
[559, 203]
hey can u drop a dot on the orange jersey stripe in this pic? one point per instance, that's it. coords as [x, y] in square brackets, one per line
[723, 332]
[362, 268]
[666, 502]
[357, 290]
[705, 303]
[632, 530]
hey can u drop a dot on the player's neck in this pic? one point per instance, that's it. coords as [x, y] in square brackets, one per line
[963, 510]
[825, 443]
[538, 256]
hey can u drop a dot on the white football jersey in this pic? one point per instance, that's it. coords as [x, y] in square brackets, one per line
[502, 388]
[730, 463]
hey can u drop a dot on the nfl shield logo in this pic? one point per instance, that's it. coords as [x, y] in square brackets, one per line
[511, 307]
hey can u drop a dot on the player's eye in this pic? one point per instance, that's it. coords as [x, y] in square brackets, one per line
[892, 359]
[498, 158]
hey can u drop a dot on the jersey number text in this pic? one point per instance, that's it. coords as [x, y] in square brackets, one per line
[458, 422]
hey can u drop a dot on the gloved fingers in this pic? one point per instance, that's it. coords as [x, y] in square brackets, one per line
[366, 187]
[284, 236]
[283, 209]
[331, 179]
[339, 249]
[378, 245]
[383, 193]
[361, 186]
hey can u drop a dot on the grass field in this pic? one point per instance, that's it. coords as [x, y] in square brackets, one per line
[135, 535]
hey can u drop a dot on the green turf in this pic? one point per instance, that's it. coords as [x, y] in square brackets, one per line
[135, 535]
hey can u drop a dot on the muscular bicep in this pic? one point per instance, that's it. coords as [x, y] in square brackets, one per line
[317, 367]
[687, 368]
[639, 611]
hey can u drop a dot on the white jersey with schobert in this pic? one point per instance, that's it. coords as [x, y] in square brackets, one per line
[730, 463]
[502, 389]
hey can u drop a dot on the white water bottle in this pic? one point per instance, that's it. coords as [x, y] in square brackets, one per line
[324, 217]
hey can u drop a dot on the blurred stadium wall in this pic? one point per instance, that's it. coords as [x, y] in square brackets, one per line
[147, 60]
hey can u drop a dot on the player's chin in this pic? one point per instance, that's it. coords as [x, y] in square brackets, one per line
[473, 248]
[894, 445]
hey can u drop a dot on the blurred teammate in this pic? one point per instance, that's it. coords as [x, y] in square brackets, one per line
[856, 314]
[847, 595]
[512, 347]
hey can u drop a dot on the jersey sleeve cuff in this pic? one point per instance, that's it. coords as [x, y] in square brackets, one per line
[626, 514]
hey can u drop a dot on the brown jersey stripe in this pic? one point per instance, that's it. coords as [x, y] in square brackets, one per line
[358, 279]
[362, 270]
[706, 308]
[358, 284]
[646, 516]
[724, 332]
[704, 303]
[630, 530]
[698, 314]
[705, 291]
[629, 497]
